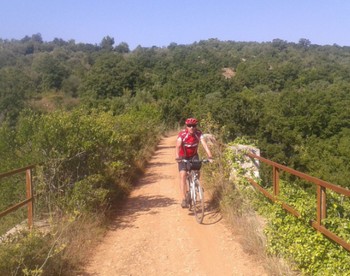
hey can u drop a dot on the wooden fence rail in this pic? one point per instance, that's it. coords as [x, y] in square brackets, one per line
[322, 187]
[29, 193]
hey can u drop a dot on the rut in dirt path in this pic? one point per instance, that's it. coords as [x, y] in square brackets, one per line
[152, 235]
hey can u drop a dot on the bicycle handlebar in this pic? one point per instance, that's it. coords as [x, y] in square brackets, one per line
[193, 161]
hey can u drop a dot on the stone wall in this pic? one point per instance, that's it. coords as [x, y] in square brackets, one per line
[250, 166]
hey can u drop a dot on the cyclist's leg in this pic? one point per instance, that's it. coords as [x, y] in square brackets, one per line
[183, 185]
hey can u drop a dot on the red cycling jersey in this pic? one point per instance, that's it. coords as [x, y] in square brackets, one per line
[189, 143]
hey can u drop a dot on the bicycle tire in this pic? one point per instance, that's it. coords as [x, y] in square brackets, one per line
[198, 202]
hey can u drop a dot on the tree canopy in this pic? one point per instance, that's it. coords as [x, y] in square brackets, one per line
[293, 98]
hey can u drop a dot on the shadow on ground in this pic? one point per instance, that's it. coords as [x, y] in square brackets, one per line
[138, 206]
[212, 215]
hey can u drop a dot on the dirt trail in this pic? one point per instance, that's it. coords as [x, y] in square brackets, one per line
[153, 235]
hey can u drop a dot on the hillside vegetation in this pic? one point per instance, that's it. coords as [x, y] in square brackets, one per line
[90, 114]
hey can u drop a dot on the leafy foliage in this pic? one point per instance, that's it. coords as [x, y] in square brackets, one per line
[292, 99]
[20, 255]
[293, 238]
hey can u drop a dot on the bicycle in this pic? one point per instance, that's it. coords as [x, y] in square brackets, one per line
[195, 194]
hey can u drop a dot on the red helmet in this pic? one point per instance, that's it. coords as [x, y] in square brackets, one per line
[191, 121]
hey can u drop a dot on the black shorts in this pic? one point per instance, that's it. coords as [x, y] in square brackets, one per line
[183, 166]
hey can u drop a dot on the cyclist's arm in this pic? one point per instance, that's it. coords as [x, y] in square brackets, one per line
[177, 148]
[206, 148]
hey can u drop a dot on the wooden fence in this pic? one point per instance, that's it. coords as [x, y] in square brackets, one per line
[29, 193]
[322, 187]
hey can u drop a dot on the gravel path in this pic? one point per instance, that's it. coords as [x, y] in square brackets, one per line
[153, 235]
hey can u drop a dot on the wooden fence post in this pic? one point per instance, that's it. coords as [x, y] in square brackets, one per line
[29, 192]
[276, 177]
[321, 204]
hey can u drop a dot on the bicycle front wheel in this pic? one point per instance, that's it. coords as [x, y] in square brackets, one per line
[198, 202]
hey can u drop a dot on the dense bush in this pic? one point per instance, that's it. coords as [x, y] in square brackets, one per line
[71, 146]
[86, 160]
[26, 254]
[294, 238]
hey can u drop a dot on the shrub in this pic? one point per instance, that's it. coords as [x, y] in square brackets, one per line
[88, 195]
[86, 159]
[293, 238]
[26, 253]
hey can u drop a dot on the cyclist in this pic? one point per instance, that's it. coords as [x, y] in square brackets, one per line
[187, 148]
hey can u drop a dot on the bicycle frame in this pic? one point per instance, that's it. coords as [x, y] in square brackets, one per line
[192, 176]
[196, 192]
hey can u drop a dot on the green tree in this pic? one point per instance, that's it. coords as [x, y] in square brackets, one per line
[109, 76]
[15, 89]
[107, 43]
[50, 72]
[122, 48]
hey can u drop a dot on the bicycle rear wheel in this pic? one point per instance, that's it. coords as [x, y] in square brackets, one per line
[198, 202]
